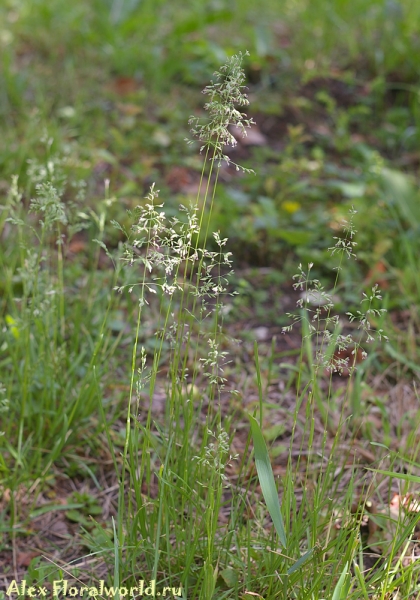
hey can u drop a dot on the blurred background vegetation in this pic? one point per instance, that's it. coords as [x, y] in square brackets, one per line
[103, 90]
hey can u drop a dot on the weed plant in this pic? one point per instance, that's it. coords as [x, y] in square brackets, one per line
[173, 482]
[180, 465]
[190, 513]
[51, 342]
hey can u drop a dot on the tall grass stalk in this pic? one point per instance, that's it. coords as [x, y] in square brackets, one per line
[48, 372]
[181, 521]
[180, 465]
[172, 476]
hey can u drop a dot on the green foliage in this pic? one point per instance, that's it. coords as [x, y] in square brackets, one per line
[96, 95]
[266, 478]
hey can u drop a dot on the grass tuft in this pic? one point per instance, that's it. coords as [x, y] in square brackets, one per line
[119, 389]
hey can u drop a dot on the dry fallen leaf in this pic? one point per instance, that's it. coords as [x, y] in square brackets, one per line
[178, 179]
[124, 85]
[77, 245]
[377, 274]
[24, 559]
[59, 528]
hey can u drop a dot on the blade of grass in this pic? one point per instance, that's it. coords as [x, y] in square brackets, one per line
[266, 479]
[403, 476]
[340, 592]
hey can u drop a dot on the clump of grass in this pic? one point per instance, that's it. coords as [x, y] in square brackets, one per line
[48, 370]
[181, 463]
[335, 352]
[172, 473]
[173, 469]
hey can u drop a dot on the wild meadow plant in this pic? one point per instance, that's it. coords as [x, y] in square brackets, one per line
[180, 466]
[335, 352]
[38, 324]
[172, 471]
[48, 370]
[325, 350]
[173, 484]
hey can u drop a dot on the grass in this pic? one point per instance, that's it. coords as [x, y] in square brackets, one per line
[129, 412]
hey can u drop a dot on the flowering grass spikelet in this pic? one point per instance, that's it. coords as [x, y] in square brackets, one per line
[335, 352]
[224, 95]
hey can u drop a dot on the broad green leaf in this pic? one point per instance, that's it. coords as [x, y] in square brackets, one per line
[275, 431]
[266, 478]
[230, 577]
[52, 508]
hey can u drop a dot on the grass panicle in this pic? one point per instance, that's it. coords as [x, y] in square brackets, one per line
[118, 391]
